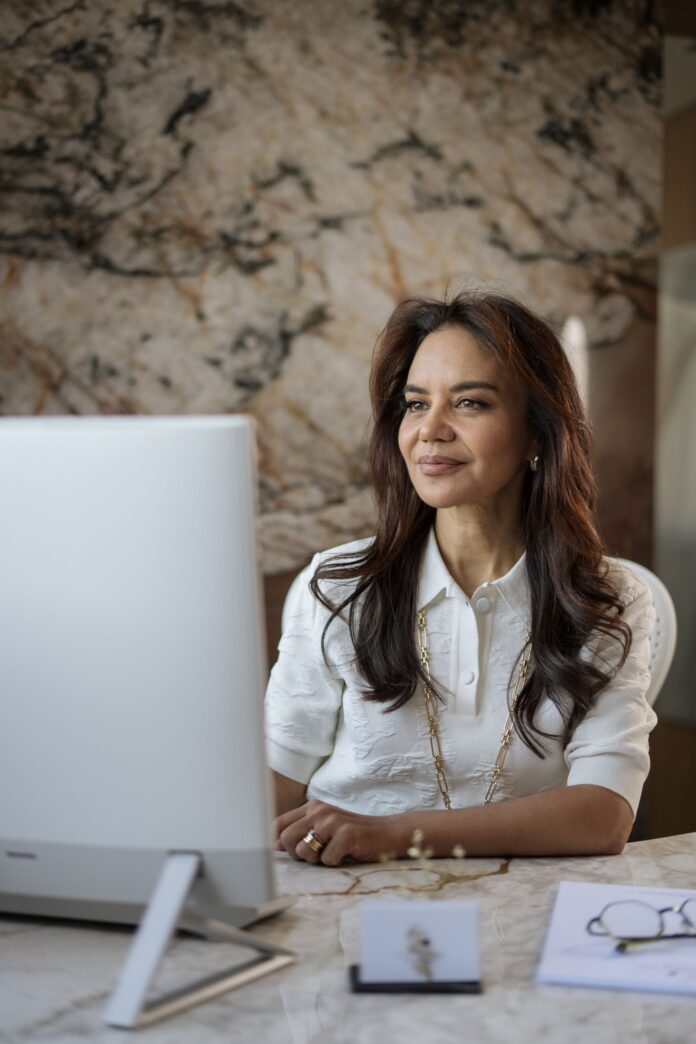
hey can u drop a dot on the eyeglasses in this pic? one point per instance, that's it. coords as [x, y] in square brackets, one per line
[632, 922]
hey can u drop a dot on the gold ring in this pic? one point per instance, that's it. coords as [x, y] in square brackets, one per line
[314, 842]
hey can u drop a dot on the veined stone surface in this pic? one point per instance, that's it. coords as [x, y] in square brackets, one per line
[57, 977]
[213, 207]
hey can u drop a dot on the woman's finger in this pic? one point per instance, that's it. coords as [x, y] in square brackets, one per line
[289, 839]
[305, 832]
[292, 836]
[288, 818]
[335, 851]
[306, 853]
[305, 842]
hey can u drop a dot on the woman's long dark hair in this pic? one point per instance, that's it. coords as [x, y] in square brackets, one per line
[571, 597]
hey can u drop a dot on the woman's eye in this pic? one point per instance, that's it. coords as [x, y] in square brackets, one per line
[471, 404]
[465, 404]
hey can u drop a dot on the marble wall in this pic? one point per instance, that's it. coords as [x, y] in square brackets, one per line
[213, 206]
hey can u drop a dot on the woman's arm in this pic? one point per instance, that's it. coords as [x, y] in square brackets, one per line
[303, 698]
[288, 793]
[576, 820]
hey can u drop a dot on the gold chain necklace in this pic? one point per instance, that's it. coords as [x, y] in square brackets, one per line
[432, 715]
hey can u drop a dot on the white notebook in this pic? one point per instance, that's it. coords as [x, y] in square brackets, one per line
[572, 957]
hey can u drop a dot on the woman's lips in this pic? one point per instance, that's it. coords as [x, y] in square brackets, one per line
[439, 465]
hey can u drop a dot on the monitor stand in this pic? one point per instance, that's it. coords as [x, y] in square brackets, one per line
[128, 1007]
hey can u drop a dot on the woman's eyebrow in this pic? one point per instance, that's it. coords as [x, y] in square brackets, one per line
[472, 385]
[462, 386]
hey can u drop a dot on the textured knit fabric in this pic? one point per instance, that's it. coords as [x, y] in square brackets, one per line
[321, 731]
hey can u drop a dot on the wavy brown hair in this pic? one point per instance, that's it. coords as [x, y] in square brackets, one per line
[572, 598]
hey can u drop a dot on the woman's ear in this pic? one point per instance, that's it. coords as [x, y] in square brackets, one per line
[533, 447]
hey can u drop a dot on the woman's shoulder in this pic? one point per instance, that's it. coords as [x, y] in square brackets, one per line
[340, 555]
[627, 582]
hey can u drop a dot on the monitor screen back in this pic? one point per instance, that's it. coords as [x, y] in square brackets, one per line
[131, 646]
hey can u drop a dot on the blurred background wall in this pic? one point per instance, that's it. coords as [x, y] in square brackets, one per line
[214, 206]
[669, 803]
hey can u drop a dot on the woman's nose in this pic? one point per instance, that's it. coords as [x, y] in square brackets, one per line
[434, 427]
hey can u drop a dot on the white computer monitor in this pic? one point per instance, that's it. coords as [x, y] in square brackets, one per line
[133, 667]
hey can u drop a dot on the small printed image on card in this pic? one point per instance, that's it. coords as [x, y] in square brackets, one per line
[419, 940]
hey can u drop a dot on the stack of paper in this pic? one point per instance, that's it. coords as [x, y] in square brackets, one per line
[572, 957]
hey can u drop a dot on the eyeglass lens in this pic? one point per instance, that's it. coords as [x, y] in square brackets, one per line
[632, 919]
[688, 911]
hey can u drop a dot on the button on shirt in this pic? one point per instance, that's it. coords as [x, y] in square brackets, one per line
[321, 731]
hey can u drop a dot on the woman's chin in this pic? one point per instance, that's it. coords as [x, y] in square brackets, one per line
[441, 501]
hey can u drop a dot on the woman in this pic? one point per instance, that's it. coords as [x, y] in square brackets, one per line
[477, 670]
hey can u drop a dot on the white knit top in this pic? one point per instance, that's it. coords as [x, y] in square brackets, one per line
[321, 731]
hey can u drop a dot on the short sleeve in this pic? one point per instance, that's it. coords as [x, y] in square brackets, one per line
[609, 747]
[304, 695]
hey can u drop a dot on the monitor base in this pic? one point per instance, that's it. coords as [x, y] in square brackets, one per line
[128, 1006]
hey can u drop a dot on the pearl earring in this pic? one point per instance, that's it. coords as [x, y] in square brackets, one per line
[534, 462]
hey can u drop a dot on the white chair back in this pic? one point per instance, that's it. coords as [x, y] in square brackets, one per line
[663, 640]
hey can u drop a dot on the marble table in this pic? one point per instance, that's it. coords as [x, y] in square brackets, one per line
[55, 978]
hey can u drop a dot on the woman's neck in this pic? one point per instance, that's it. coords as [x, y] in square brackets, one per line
[477, 546]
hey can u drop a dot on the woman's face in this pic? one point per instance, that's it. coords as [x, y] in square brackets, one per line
[464, 435]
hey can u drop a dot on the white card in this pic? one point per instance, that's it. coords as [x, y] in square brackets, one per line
[574, 957]
[419, 940]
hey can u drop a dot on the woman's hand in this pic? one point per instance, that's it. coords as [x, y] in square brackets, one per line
[345, 835]
[583, 819]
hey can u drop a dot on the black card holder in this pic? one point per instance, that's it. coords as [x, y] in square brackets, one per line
[358, 986]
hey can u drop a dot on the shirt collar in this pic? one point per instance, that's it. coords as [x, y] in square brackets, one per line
[515, 590]
[435, 581]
